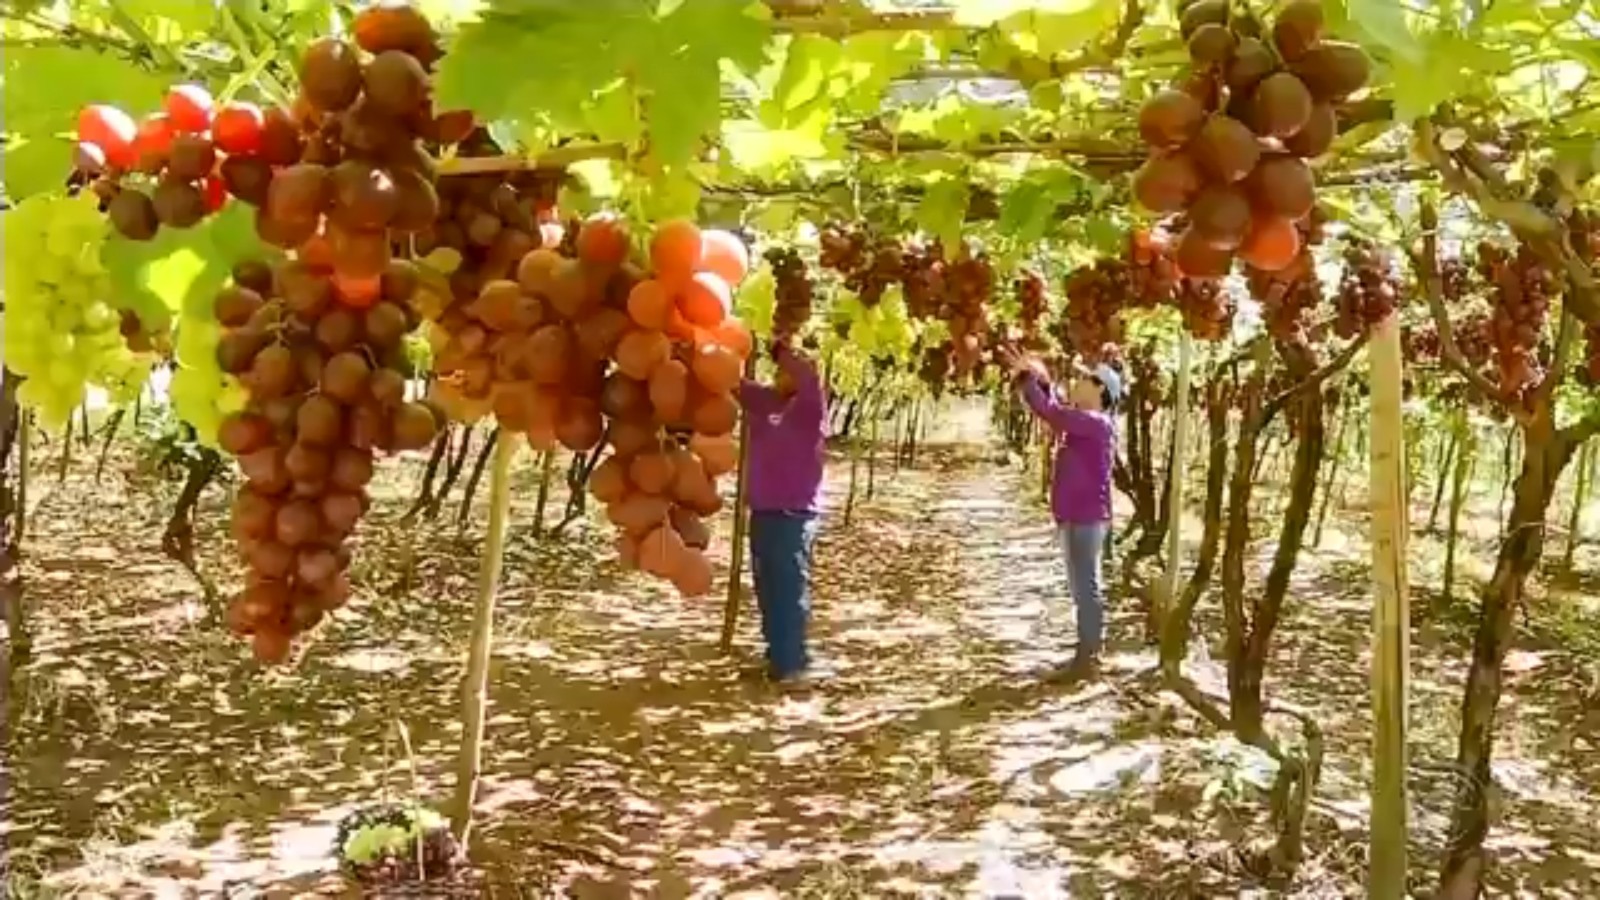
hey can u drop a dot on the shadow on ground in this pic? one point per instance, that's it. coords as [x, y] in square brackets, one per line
[626, 757]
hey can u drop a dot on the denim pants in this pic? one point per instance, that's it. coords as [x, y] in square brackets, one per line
[1082, 545]
[780, 564]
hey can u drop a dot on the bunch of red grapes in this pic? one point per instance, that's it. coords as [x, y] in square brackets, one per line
[795, 292]
[670, 398]
[355, 135]
[1032, 304]
[325, 373]
[1095, 297]
[1229, 145]
[1152, 275]
[968, 283]
[1521, 287]
[1584, 232]
[1287, 295]
[869, 264]
[317, 339]
[1368, 290]
[922, 268]
[1207, 308]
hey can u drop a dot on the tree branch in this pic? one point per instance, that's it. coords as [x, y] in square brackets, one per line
[1466, 171]
[1277, 403]
[1426, 264]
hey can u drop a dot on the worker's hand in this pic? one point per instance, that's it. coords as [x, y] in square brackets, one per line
[1020, 363]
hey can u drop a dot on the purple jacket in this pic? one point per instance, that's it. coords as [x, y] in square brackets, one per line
[1080, 490]
[786, 440]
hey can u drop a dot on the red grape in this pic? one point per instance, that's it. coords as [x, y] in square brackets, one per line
[112, 130]
[237, 128]
[189, 106]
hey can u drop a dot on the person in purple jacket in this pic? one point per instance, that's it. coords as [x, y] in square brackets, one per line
[784, 488]
[1080, 496]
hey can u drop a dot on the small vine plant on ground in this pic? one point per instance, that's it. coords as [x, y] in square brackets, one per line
[395, 843]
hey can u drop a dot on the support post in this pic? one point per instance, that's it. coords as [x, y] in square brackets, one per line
[475, 684]
[1391, 616]
[741, 500]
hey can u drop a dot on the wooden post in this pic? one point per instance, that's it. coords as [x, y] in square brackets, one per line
[1391, 616]
[1580, 491]
[1168, 594]
[741, 500]
[475, 684]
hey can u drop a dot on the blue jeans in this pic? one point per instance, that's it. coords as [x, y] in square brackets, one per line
[780, 564]
[1082, 545]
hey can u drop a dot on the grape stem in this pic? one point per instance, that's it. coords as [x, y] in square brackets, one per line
[558, 158]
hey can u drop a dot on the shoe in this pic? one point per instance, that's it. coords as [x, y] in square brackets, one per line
[1082, 668]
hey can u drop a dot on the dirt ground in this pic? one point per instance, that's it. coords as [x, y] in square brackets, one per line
[147, 757]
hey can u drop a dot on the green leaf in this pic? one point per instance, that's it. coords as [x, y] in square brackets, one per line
[189, 16]
[943, 209]
[1451, 66]
[1385, 23]
[807, 69]
[182, 268]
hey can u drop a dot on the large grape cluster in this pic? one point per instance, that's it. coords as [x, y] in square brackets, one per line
[318, 339]
[1095, 297]
[1521, 287]
[1032, 304]
[1368, 290]
[795, 292]
[62, 329]
[868, 263]
[669, 399]
[1229, 144]
[969, 283]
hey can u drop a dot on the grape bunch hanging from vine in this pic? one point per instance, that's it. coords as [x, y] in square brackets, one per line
[1229, 145]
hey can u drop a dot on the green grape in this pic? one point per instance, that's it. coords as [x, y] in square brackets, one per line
[757, 298]
[97, 316]
[196, 345]
[61, 330]
[233, 396]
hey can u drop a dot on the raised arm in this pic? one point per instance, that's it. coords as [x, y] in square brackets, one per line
[807, 401]
[1037, 394]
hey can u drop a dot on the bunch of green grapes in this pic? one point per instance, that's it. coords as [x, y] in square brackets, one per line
[203, 395]
[61, 332]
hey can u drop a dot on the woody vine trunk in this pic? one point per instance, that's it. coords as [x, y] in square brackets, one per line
[1546, 452]
[1178, 626]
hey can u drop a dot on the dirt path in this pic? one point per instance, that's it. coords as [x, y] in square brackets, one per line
[627, 758]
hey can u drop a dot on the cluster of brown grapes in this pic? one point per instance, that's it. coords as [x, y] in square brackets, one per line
[1095, 296]
[922, 268]
[670, 399]
[1206, 307]
[969, 283]
[1287, 295]
[1152, 274]
[869, 264]
[325, 376]
[1521, 288]
[317, 340]
[352, 147]
[1368, 290]
[1228, 147]
[934, 368]
[1032, 304]
[1583, 227]
[792, 306]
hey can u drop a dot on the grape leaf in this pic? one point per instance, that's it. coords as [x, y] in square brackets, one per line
[1385, 23]
[943, 208]
[182, 267]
